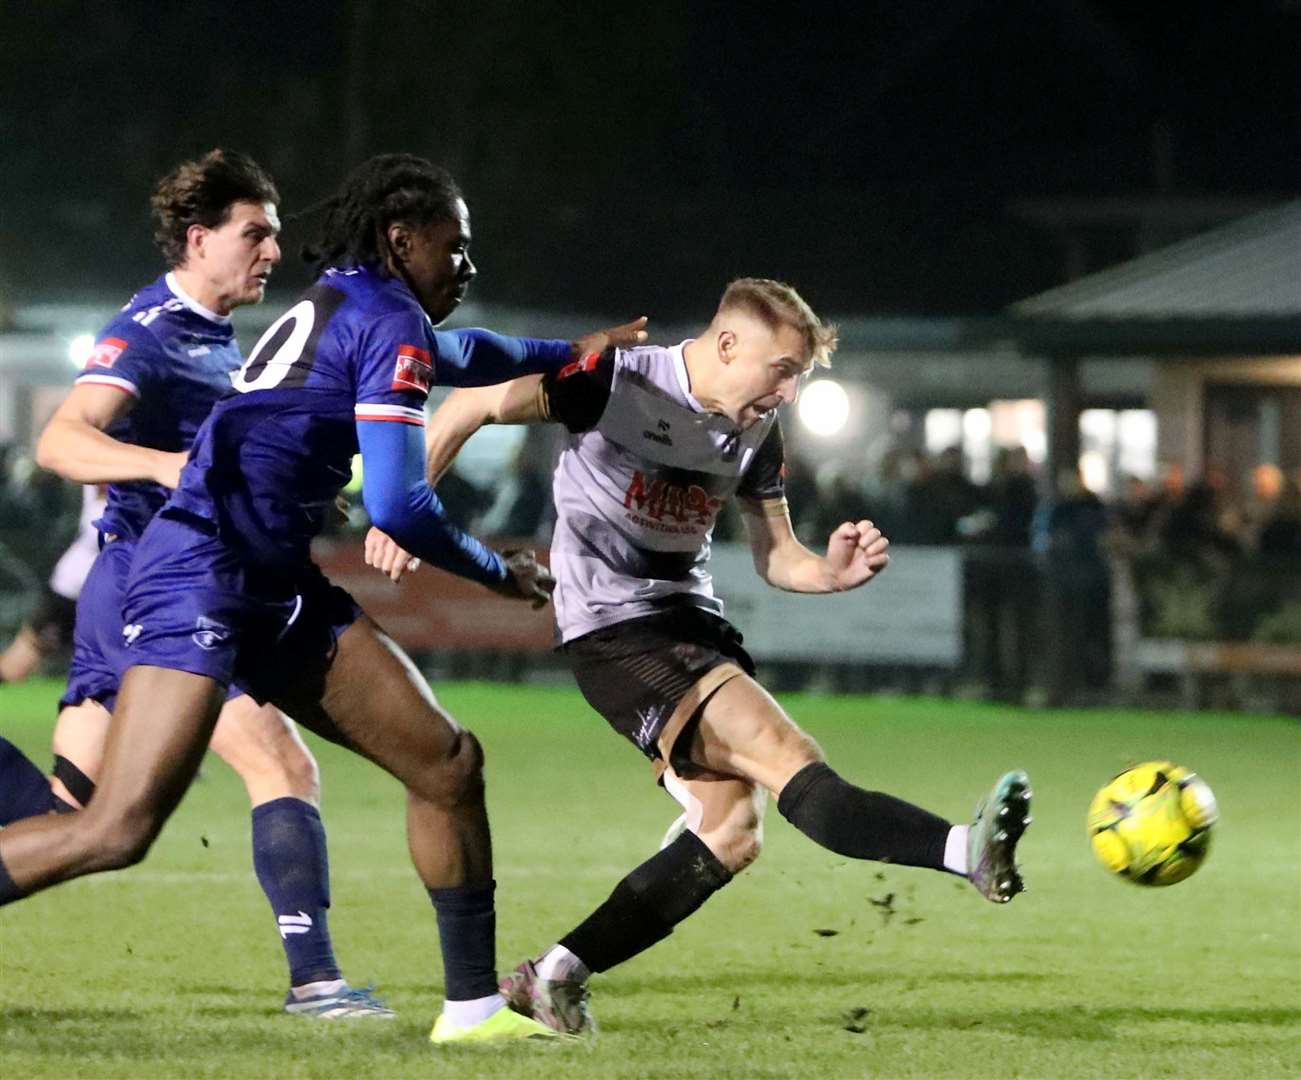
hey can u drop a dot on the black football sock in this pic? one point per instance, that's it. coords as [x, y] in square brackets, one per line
[24, 789]
[9, 891]
[647, 904]
[861, 824]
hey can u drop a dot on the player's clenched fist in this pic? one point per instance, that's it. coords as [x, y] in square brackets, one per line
[856, 553]
[526, 578]
[384, 554]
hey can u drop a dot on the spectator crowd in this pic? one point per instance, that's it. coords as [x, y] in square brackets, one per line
[1207, 561]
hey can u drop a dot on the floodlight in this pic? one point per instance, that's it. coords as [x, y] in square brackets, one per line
[823, 407]
[80, 348]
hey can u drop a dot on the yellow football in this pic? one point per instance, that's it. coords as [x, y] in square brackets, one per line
[1152, 824]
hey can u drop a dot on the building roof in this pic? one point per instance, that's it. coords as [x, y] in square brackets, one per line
[1249, 268]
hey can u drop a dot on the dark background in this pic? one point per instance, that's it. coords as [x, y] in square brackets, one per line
[885, 157]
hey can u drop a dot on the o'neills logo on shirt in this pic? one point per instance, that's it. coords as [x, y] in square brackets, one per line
[414, 371]
[658, 499]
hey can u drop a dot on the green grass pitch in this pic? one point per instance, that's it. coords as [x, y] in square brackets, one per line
[807, 965]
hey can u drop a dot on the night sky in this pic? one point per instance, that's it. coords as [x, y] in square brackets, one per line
[619, 158]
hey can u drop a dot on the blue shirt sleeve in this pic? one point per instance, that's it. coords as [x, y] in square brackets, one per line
[401, 503]
[394, 368]
[125, 357]
[401, 356]
[481, 358]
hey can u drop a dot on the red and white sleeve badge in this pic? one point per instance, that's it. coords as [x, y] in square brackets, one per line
[102, 357]
[414, 369]
[105, 353]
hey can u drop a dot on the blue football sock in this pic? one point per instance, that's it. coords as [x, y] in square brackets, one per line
[293, 868]
[467, 930]
[24, 789]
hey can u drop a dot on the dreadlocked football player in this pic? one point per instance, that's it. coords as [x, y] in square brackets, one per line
[659, 438]
[155, 372]
[222, 586]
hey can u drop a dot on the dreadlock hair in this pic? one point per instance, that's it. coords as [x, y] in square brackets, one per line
[385, 189]
[202, 192]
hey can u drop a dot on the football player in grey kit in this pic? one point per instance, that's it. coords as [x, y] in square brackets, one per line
[658, 439]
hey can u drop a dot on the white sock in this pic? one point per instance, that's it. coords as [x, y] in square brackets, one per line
[559, 964]
[312, 989]
[955, 850]
[464, 1014]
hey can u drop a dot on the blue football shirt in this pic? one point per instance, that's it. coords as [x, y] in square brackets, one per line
[357, 346]
[174, 358]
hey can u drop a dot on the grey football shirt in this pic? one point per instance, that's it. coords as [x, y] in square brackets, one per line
[642, 477]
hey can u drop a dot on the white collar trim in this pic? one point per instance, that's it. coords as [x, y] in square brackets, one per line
[191, 303]
[680, 370]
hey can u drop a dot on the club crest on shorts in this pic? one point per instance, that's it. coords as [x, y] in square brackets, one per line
[208, 633]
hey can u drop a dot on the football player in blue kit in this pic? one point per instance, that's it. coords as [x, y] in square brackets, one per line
[222, 586]
[157, 369]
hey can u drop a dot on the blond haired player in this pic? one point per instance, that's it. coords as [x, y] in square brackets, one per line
[659, 438]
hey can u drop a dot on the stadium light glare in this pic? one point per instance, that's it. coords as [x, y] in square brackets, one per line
[80, 348]
[823, 407]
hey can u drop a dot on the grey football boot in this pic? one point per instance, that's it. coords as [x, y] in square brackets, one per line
[560, 1004]
[1000, 820]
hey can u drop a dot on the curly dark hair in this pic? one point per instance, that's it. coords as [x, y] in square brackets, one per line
[202, 192]
[385, 189]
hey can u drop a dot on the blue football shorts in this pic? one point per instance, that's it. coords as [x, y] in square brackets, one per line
[99, 651]
[193, 603]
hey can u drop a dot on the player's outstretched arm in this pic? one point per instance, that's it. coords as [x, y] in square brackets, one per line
[75, 444]
[518, 401]
[403, 505]
[477, 357]
[856, 553]
[463, 412]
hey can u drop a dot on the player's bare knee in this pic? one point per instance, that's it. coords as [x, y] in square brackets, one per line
[783, 747]
[302, 774]
[467, 764]
[738, 841]
[802, 749]
[455, 778]
[116, 840]
[745, 846]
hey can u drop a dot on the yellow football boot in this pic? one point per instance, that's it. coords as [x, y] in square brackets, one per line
[505, 1025]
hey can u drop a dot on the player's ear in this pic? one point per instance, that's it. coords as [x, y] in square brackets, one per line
[195, 235]
[727, 345]
[399, 238]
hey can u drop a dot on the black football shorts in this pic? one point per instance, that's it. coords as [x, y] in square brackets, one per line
[649, 677]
